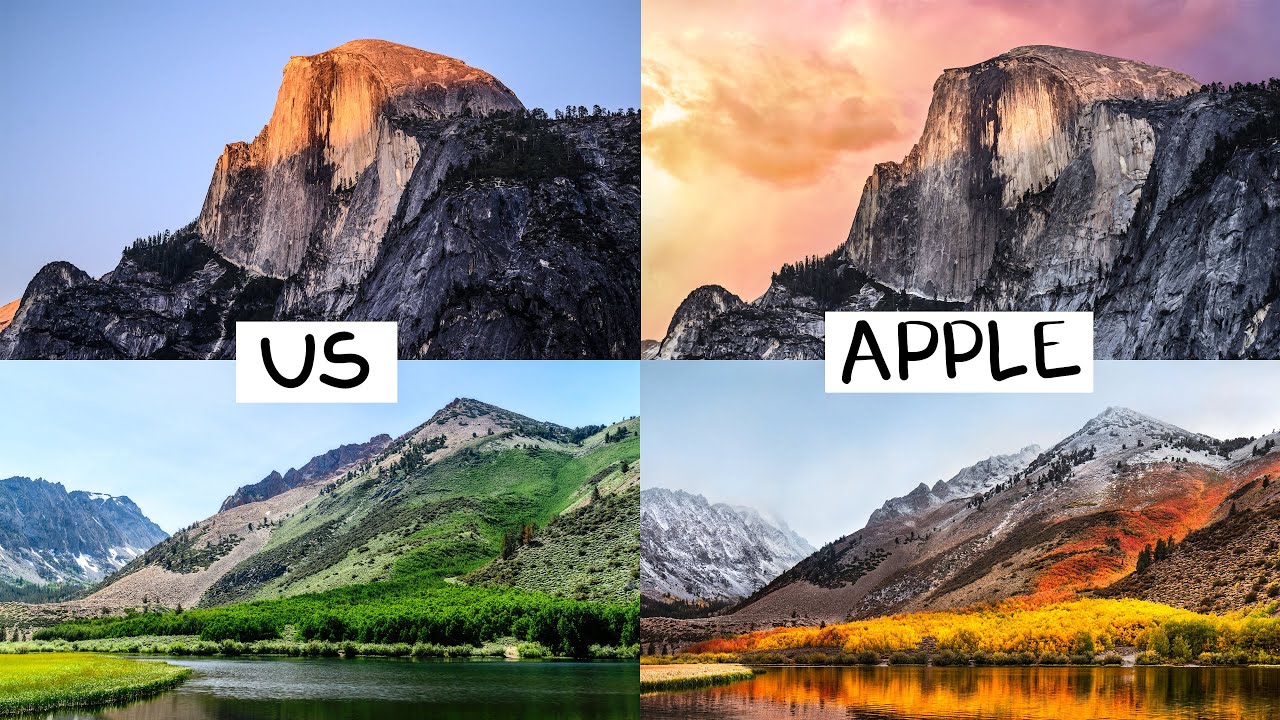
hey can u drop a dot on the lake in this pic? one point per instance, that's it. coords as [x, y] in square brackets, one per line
[947, 693]
[323, 688]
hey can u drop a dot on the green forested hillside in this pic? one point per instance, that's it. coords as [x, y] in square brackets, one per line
[414, 517]
[529, 532]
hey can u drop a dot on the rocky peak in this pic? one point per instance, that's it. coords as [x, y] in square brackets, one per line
[998, 132]
[331, 144]
[692, 549]
[974, 479]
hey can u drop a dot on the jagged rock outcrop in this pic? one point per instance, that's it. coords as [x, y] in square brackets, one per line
[1054, 179]
[145, 308]
[694, 551]
[50, 535]
[389, 184]
[335, 461]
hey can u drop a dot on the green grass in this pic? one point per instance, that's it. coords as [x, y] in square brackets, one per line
[40, 683]
[443, 519]
[592, 553]
[192, 645]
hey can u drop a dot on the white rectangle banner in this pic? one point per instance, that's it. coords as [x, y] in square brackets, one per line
[316, 362]
[959, 352]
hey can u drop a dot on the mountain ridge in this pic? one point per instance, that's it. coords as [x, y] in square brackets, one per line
[693, 551]
[51, 536]
[1070, 521]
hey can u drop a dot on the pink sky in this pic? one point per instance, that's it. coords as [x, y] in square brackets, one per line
[762, 119]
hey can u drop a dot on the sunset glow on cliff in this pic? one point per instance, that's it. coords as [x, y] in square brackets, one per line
[763, 121]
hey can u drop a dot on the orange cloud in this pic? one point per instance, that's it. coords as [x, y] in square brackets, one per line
[780, 114]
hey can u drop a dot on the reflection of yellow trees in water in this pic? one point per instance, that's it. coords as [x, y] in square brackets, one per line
[1020, 692]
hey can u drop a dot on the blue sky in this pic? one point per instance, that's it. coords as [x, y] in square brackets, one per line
[115, 112]
[764, 434]
[170, 436]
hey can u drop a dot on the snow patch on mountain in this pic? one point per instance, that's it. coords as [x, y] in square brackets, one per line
[693, 550]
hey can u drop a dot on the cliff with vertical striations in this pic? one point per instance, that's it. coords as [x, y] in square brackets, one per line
[389, 184]
[1054, 179]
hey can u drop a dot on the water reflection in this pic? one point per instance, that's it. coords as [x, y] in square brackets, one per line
[321, 689]
[1057, 693]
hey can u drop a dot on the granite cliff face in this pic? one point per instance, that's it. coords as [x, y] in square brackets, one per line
[325, 176]
[389, 184]
[1053, 179]
[49, 535]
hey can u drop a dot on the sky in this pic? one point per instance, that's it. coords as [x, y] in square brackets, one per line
[764, 434]
[115, 113]
[761, 124]
[171, 437]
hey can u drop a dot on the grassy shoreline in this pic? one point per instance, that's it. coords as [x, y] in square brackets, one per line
[46, 682]
[182, 645]
[659, 678]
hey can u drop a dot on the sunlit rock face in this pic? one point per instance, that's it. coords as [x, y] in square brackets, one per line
[1050, 179]
[322, 180]
[976, 191]
[391, 184]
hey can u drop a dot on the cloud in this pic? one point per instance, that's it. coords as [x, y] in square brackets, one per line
[779, 114]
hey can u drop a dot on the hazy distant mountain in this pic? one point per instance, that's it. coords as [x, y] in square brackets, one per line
[49, 535]
[694, 551]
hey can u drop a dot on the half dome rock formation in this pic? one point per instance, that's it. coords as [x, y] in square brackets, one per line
[389, 184]
[1055, 179]
[332, 141]
[1000, 133]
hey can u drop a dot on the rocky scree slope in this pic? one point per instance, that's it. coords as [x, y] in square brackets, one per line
[389, 184]
[1051, 179]
[694, 551]
[1057, 523]
[49, 535]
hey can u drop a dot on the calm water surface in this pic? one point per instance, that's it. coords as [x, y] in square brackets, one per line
[325, 688]
[1057, 693]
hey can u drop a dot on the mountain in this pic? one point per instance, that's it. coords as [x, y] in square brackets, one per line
[1222, 566]
[695, 552]
[474, 495]
[389, 184]
[7, 312]
[337, 460]
[51, 536]
[1068, 521]
[1050, 179]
